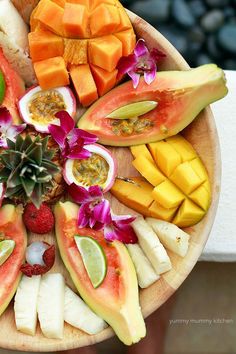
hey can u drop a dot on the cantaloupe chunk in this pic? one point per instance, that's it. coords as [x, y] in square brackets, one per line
[165, 156]
[135, 196]
[104, 20]
[84, 84]
[168, 195]
[75, 21]
[201, 197]
[138, 150]
[157, 211]
[51, 15]
[128, 40]
[188, 214]
[125, 23]
[183, 147]
[148, 170]
[186, 178]
[105, 81]
[44, 45]
[51, 73]
[105, 52]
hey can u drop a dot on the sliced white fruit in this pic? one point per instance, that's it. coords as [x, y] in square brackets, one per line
[151, 246]
[51, 305]
[172, 237]
[25, 305]
[79, 315]
[145, 273]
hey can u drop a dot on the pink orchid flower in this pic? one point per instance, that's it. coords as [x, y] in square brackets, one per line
[95, 212]
[140, 62]
[70, 139]
[7, 129]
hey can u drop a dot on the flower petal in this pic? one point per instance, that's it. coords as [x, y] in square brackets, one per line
[149, 76]
[15, 130]
[135, 78]
[79, 194]
[125, 235]
[140, 48]
[86, 137]
[67, 123]
[123, 219]
[3, 143]
[83, 218]
[5, 119]
[95, 192]
[156, 54]
[79, 153]
[58, 134]
[102, 212]
[126, 64]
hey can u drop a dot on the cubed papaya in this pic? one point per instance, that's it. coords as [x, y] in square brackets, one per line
[104, 20]
[167, 195]
[183, 147]
[45, 44]
[188, 214]
[128, 40]
[75, 21]
[201, 197]
[105, 52]
[138, 150]
[84, 84]
[148, 170]
[51, 73]
[165, 156]
[75, 52]
[51, 15]
[186, 178]
[105, 80]
[157, 211]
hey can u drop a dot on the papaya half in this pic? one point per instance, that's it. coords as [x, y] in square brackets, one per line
[180, 96]
[12, 228]
[116, 300]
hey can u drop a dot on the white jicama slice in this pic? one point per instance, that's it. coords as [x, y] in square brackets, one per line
[151, 246]
[145, 273]
[25, 305]
[51, 305]
[79, 315]
[172, 237]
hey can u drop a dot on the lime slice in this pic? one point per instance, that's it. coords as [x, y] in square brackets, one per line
[2, 87]
[6, 249]
[133, 110]
[94, 259]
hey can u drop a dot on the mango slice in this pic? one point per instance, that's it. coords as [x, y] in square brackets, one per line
[188, 214]
[138, 150]
[157, 211]
[167, 194]
[150, 172]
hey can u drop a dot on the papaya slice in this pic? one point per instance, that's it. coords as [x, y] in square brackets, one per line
[116, 299]
[181, 95]
[75, 21]
[104, 80]
[12, 228]
[44, 45]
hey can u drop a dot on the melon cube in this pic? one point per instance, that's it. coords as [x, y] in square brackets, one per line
[148, 170]
[188, 214]
[157, 211]
[183, 147]
[167, 195]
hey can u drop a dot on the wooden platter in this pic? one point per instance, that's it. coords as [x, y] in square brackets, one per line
[203, 135]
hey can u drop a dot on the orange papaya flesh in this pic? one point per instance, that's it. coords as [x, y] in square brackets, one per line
[15, 88]
[12, 228]
[104, 80]
[116, 299]
[181, 95]
[51, 73]
[50, 15]
[84, 84]
[75, 21]
[44, 45]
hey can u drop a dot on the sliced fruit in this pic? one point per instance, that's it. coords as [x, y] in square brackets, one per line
[99, 169]
[45, 44]
[141, 150]
[104, 80]
[133, 110]
[6, 249]
[51, 301]
[25, 305]
[79, 315]
[167, 195]
[172, 237]
[145, 272]
[14, 88]
[2, 87]
[151, 246]
[181, 95]
[75, 20]
[12, 228]
[188, 214]
[151, 172]
[116, 300]
[38, 107]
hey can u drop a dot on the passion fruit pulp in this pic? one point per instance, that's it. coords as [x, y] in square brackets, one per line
[38, 107]
[99, 169]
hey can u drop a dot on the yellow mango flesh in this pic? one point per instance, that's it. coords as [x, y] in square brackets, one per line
[188, 214]
[168, 195]
[138, 150]
[157, 211]
[148, 170]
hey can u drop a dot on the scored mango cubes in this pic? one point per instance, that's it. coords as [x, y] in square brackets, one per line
[178, 190]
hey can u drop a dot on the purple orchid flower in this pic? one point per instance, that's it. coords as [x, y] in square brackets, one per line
[70, 139]
[7, 129]
[140, 62]
[95, 212]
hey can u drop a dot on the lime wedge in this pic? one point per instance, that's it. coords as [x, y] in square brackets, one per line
[94, 259]
[2, 87]
[133, 110]
[6, 249]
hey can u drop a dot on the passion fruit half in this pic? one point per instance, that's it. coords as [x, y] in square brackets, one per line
[99, 169]
[38, 107]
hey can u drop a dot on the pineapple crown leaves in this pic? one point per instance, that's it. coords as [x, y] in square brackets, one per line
[27, 169]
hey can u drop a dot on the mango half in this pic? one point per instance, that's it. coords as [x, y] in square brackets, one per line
[174, 185]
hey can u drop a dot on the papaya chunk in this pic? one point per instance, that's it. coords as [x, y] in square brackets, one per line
[75, 21]
[109, 23]
[84, 84]
[50, 14]
[51, 73]
[105, 52]
[104, 80]
[45, 44]
[75, 52]
[128, 40]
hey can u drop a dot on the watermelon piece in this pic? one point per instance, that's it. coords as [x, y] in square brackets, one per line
[12, 228]
[116, 299]
[180, 95]
[15, 88]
